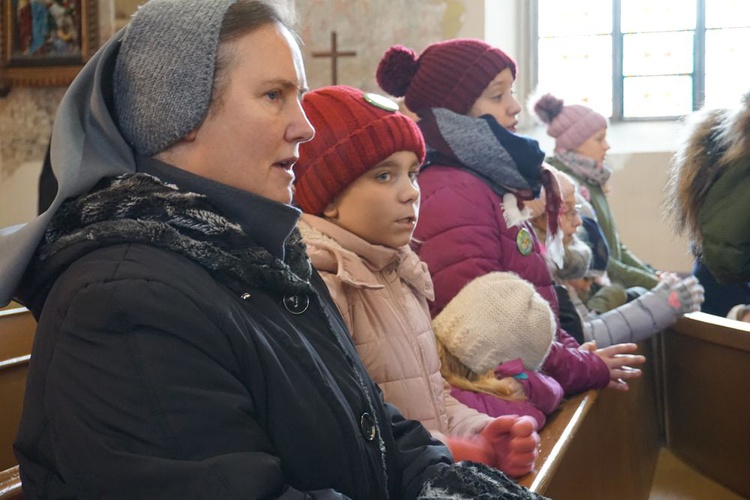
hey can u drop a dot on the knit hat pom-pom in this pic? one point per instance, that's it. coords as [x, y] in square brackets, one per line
[548, 107]
[396, 70]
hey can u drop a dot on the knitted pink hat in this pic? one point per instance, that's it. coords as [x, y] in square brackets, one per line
[450, 74]
[354, 131]
[569, 125]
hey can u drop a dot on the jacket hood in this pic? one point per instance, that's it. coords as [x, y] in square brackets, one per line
[714, 139]
[139, 208]
[85, 147]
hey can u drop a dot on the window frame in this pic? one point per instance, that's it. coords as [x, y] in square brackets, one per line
[618, 78]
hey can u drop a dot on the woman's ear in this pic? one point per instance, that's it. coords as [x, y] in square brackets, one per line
[190, 137]
[331, 211]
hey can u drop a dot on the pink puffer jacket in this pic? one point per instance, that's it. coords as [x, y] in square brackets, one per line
[382, 294]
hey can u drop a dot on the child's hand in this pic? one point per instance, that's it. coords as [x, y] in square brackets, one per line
[619, 362]
[514, 441]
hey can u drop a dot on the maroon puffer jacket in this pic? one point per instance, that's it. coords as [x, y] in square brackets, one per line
[462, 234]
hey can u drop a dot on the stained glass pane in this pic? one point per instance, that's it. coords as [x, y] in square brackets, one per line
[578, 69]
[727, 13]
[727, 51]
[657, 53]
[657, 15]
[657, 96]
[574, 17]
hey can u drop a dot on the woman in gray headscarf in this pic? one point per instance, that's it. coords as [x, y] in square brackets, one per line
[185, 348]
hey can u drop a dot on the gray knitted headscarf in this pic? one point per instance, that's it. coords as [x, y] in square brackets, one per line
[166, 53]
[165, 70]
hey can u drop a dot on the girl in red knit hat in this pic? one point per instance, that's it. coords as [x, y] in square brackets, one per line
[475, 179]
[357, 184]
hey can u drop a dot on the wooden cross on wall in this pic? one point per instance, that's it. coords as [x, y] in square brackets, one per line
[334, 54]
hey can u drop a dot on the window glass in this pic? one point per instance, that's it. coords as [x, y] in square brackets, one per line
[578, 69]
[657, 96]
[575, 17]
[657, 15]
[658, 53]
[727, 54]
[727, 13]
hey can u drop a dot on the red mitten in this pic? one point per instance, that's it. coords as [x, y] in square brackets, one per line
[514, 441]
[473, 449]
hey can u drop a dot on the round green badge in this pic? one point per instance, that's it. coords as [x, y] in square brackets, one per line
[524, 241]
[380, 101]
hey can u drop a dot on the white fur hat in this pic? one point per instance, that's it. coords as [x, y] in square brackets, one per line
[496, 318]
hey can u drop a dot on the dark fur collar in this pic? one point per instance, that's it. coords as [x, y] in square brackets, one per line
[139, 208]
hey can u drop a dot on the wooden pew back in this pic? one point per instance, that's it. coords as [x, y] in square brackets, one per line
[17, 327]
[707, 387]
[602, 444]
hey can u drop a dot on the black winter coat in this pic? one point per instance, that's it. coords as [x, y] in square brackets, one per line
[163, 368]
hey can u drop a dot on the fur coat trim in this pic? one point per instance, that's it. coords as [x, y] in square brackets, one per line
[714, 139]
[139, 208]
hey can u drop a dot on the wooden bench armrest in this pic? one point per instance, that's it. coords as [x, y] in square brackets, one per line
[10, 484]
[556, 437]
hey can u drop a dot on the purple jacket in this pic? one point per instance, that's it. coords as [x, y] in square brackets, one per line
[462, 234]
[543, 395]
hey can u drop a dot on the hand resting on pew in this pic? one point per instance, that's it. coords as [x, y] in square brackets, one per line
[619, 361]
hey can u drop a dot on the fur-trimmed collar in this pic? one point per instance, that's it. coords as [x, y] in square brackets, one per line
[714, 139]
[139, 208]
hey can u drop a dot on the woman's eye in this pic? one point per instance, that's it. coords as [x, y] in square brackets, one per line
[383, 176]
[413, 175]
[273, 95]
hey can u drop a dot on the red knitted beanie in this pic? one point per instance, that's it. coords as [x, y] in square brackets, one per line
[354, 131]
[450, 74]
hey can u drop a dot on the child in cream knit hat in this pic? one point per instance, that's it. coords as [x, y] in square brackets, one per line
[493, 337]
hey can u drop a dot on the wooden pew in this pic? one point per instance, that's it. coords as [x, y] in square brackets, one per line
[10, 485]
[707, 404]
[17, 327]
[602, 444]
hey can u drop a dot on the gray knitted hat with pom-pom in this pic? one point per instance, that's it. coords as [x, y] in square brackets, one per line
[164, 72]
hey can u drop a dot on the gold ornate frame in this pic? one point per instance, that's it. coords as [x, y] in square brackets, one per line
[16, 69]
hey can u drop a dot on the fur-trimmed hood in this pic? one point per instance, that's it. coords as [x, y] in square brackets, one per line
[714, 139]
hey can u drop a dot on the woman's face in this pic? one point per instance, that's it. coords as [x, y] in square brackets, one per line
[570, 218]
[595, 147]
[498, 100]
[251, 136]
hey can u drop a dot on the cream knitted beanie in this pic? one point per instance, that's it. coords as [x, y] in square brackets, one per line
[496, 318]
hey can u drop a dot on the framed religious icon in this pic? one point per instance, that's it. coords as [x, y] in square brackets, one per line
[46, 42]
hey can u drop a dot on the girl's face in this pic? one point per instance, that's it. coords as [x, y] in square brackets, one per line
[498, 100]
[595, 147]
[382, 205]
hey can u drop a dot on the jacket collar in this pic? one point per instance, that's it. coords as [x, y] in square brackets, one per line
[355, 261]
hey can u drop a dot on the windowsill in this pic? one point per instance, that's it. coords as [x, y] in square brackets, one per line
[626, 137]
